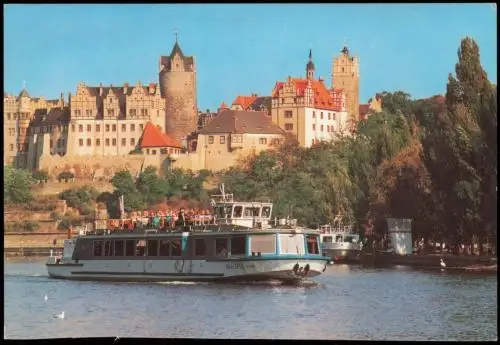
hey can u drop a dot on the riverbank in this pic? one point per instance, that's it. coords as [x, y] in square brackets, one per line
[452, 262]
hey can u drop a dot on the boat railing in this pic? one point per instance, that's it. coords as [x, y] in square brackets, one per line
[332, 229]
[222, 198]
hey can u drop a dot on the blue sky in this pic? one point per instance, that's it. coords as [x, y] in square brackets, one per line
[241, 48]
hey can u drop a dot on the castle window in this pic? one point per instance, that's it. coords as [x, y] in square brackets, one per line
[314, 127]
[124, 141]
[321, 116]
[98, 142]
[8, 116]
[89, 142]
[147, 151]
[141, 127]
[222, 139]
[111, 112]
[11, 146]
[108, 128]
[80, 128]
[153, 152]
[263, 141]
[89, 128]
[210, 139]
[342, 69]
[288, 114]
[58, 143]
[51, 144]
[97, 128]
[314, 114]
[163, 151]
[289, 126]
[132, 141]
[157, 113]
[107, 142]
[114, 142]
[133, 112]
[321, 128]
[72, 128]
[132, 127]
[114, 128]
[333, 116]
[80, 142]
[329, 116]
[124, 127]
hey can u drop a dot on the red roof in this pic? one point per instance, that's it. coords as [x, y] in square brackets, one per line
[154, 137]
[244, 101]
[363, 110]
[223, 105]
[322, 97]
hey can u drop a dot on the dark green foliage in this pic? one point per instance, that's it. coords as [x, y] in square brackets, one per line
[65, 176]
[17, 185]
[40, 175]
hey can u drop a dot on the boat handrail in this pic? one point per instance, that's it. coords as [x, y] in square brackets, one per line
[222, 198]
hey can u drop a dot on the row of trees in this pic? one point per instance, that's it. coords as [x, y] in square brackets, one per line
[432, 160]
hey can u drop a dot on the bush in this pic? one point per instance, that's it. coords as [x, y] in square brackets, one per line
[65, 175]
[31, 225]
[69, 221]
[55, 215]
[40, 175]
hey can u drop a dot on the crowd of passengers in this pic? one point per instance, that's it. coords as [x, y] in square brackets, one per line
[161, 220]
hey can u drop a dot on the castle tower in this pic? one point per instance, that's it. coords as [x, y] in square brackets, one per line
[310, 67]
[24, 118]
[178, 87]
[345, 75]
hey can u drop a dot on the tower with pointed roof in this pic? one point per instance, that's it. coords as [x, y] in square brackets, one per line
[345, 75]
[310, 67]
[178, 86]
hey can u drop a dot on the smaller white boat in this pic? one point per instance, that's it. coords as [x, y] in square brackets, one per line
[340, 241]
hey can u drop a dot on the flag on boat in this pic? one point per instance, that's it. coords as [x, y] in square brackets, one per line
[122, 206]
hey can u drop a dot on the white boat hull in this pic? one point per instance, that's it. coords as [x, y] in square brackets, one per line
[188, 270]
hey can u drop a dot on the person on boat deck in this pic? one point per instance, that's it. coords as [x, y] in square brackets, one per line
[222, 251]
[181, 218]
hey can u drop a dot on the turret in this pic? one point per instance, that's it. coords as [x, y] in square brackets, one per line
[310, 67]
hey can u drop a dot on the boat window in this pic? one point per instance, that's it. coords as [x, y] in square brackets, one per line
[312, 244]
[256, 211]
[229, 210]
[327, 239]
[164, 247]
[266, 212]
[221, 246]
[152, 247]
[238, 211]
[108, 248]
[338, 238]
[176, 247]
[292, 244]
[247, 212]
[239, 245]
[97, 248]
[199, 247]
[263, 244]
[129, 247]
[119, 248]
[140, 248]
[351, 239]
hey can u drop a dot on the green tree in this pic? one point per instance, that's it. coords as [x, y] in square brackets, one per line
[124, 184]
[17, 185]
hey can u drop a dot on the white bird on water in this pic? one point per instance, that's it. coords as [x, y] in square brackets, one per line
[443, 264]
[45, 298]
[61, 316]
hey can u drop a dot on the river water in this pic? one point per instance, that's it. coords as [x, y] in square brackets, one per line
[347, 302]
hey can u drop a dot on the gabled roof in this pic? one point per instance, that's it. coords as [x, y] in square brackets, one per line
[322, 97]
[223, 105]
[263, 101]
[54, 116]
[239, 122]
[154, 137]
[176, 50]
[244, 101]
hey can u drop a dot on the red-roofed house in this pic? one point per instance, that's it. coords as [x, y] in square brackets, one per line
[243, 102]
[154, 142]
[308, 109]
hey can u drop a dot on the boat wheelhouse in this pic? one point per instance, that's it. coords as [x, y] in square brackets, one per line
[240, 243]
[340, 241]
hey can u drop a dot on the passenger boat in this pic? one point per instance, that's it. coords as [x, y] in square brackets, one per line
[340, 242]
[241, 243]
